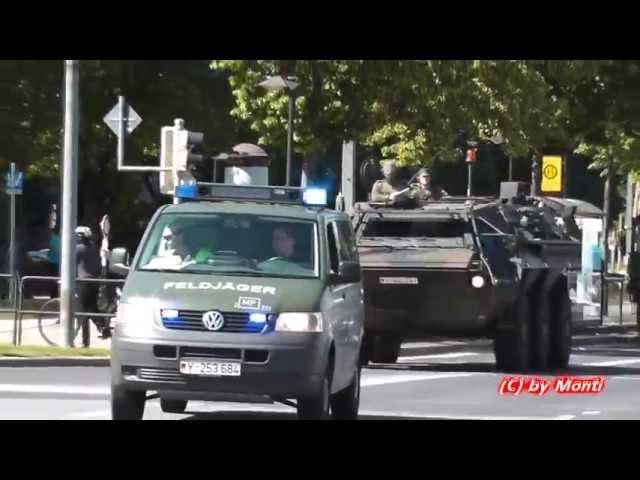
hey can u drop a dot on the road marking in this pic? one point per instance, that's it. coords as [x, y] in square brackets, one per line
[458, 417]
[92, 414]
[591, 412]
[413, 346]
[611, 363]
[54, 389]
[389, 379]
[440, 355]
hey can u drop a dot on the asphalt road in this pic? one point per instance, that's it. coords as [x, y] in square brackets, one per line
[433, 380]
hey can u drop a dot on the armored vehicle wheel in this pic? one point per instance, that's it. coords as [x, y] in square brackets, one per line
[345, 404]
[316, 407]
[386, 348]
[173, 406]
[560, 343]
[541, 318]
[512, 339]
[127, 404]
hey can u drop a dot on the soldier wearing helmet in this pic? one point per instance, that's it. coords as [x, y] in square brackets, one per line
[387, 190]
[424, 190]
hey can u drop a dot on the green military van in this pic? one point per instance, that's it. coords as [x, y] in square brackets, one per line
[240, 294]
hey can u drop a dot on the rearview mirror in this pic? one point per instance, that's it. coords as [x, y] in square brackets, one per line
[348, 272]
[119, 262]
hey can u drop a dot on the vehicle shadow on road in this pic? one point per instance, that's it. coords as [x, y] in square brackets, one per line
[252, 415]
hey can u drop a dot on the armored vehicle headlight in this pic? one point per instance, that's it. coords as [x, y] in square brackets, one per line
[477, 281]
[299, 322]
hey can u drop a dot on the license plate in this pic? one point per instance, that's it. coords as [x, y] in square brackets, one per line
[398, 280]
[204, 368]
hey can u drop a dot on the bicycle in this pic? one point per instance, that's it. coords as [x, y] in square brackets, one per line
[51, 310]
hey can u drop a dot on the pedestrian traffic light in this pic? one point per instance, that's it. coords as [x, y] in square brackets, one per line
[472, 155]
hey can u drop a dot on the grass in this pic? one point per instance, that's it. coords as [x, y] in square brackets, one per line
[33, 352]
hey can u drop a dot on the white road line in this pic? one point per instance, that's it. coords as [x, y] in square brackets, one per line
[591, 412]
[611, 363]
[413, 346]
[458, 417]
[436, 356]
[53, 389]
[389, 379]
[92, 414]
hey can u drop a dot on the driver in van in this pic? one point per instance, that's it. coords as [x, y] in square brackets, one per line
[283, 242]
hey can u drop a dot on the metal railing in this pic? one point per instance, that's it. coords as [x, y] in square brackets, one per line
[20, 311]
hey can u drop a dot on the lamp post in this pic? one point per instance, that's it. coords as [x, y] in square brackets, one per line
[289, 84]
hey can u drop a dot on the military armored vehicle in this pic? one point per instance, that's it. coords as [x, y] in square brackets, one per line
[485, 267]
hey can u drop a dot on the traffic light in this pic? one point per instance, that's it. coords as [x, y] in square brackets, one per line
[472, 155]
[180, 153]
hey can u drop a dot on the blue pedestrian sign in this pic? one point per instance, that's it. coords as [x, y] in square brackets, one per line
[14, 182]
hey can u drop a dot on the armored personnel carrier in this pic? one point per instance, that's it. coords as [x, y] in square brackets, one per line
[485, 267]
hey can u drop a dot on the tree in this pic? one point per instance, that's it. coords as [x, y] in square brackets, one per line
[410, 110]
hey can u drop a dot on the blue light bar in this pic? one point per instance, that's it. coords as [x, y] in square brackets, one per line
[170, 314]
[187, 191]
[258, 318]
[315, 197]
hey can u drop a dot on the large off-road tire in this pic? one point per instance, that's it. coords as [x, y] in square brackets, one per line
[541, 315]
[513, 337]
[561, 328]
[127, 404]
[173, 406]
[345, 404]
[318, 406]
[386, 348]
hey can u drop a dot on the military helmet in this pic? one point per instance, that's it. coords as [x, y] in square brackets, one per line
[423, 172]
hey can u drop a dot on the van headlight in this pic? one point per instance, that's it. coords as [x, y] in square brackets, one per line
[136, 319]
[299, 322]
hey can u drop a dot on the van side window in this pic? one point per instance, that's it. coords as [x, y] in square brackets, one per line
[333, 251]
[348, 249]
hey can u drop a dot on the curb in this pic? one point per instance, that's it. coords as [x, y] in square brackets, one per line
[55, 361]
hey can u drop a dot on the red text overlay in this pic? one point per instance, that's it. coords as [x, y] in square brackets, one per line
[519, 385]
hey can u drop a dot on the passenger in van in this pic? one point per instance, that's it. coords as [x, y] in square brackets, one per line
[283, 244]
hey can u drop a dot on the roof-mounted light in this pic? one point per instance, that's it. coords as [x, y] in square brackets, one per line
[315, 197]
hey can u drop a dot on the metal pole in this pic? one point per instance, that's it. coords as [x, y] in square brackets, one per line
[534, 175]
[470, 168]
[12, 240]
[122, 108]
[68, 245]
[510, 168]
[290, 138]
[628, 219]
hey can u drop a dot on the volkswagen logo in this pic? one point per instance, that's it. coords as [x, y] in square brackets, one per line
[213, 321]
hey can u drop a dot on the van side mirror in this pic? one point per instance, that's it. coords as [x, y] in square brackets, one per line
[348, 272]
[119, 262]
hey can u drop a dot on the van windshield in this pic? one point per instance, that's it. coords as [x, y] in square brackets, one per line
[231, 244]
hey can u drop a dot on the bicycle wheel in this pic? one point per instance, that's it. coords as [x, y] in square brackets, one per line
[50, 315]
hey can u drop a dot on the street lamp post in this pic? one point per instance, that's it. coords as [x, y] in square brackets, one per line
[289, 84]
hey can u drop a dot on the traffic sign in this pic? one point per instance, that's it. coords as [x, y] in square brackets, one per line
[551, 174]
[14, 182]
[131, 117]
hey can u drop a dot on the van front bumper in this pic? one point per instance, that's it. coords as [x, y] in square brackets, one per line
[283, 366]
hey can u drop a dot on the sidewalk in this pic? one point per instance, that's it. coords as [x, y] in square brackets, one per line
[31, 335]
